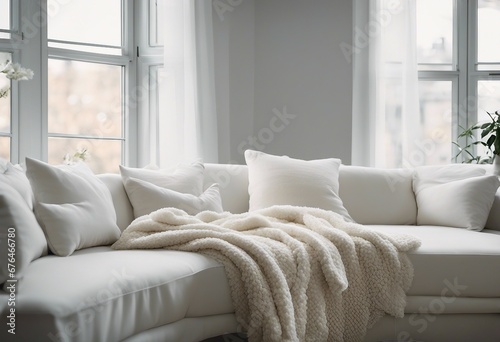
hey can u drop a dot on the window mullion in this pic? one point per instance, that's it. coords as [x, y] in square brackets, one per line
[461, 99]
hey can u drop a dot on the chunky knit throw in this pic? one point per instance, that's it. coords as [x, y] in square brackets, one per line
[295, 273]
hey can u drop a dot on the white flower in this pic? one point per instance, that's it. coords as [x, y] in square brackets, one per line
[80, 155]
[15, 71]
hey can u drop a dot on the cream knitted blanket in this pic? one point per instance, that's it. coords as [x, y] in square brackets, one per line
[295, 273]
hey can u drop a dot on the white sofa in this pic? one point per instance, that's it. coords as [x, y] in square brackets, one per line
[100, 294]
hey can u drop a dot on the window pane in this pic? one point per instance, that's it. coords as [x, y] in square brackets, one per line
[488, 37]
[4, 95]
[4, 15]
[105, 155]
[436, 119]
[85, 48]
[430, 140]
[85, 98]
[435, 33]
[86, 21]
[5, 148]
[488, 97]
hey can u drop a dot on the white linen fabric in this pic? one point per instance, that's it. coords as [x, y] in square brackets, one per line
[73, 206]
[187, 126]
[454, 196]
[280, 180]
[147, 197]
[295, 273]
[185, 178]
[384, 61]
[15, 176]
[26, 237]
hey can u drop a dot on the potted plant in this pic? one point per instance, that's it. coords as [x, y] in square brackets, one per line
[489, 138]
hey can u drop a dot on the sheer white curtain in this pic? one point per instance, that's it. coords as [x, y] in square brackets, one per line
[187, 110]
[386, 128]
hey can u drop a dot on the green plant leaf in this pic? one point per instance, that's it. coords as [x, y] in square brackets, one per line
[491, 140]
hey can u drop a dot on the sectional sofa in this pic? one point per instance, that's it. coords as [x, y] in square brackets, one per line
[101, 294]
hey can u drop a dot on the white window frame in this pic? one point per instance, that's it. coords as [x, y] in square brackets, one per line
[126, 60]
[149, 61]
[6, 45]
[465, 75]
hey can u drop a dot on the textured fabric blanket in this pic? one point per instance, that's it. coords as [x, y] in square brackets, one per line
[295, 273]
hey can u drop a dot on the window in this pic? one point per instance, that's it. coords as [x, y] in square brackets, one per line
[455, 47]
[87, 70]
[459, 59]
[150, 77]
[5, 109]
[8, 89]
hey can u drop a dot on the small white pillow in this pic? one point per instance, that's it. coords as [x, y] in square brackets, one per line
[147, 197]
[15, 176]
[73, 206]
[29, 242]
[275, 180]
[454, 196]
[187, 179]
[427, 176]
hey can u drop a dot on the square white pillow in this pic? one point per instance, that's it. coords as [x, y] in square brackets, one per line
[15, 176]
[147, 197]
[73, 206]
[275, 180]
[454, 196]
[187, 179]
[17, 218]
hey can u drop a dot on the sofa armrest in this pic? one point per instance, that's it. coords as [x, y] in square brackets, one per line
[494, 218]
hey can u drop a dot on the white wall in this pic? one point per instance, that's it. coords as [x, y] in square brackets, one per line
[234, 40]
[277, 54]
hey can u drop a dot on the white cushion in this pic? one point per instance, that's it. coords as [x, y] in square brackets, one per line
[147, 197]
[187, 179]
[26, 237]
[454, 196]
[100, 294]
[286, 181]
[74, 207]
[378, 196]
[448, 255]
[15, 176]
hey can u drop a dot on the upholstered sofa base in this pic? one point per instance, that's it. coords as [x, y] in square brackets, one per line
[437, 328]
[412, 327]
[189, 329]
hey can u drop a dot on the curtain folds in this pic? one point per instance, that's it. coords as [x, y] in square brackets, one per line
[187, 108]
[385, 94]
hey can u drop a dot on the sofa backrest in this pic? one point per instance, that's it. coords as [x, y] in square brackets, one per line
[371, 195]
[378, 196]
[233, 185]
[123, 208]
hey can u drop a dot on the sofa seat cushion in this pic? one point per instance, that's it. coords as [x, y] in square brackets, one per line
[99, 294]
[453, 261]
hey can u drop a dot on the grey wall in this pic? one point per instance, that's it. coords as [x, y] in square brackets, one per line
[283, 56]
[234, 40]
